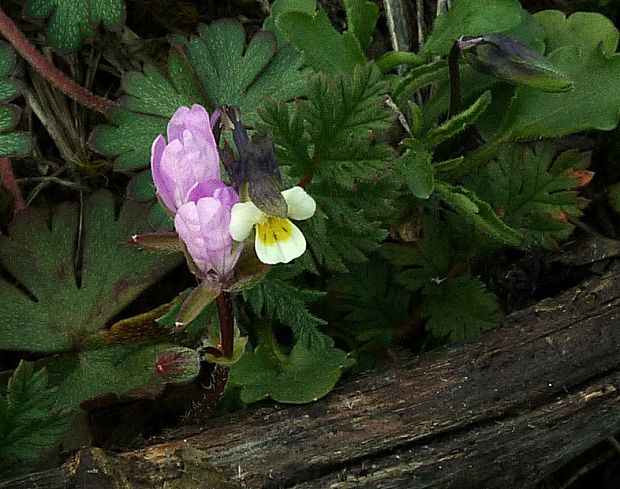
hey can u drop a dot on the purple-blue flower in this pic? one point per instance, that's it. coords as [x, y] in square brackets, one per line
[203, 225]
[190, 156]
[186, 173]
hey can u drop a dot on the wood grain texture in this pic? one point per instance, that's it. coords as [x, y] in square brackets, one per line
[511, 407]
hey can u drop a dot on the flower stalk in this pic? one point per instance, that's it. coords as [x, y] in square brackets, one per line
[48, 71]
[227, 322]
[7, 177]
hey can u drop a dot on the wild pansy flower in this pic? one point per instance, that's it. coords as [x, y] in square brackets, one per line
[277, 239]
[256, 175]
[186, 173]
[188, 158]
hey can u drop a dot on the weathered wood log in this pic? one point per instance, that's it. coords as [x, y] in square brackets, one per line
[501, 412]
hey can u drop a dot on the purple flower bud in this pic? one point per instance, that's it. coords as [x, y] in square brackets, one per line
[189, 157]
[512, 61]
[203, 225]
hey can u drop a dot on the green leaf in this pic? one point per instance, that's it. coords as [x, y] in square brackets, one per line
[72, 272]
[278, 300]
[582, 30]
[12, 143]
[459, 308]
[340, 115]
[148, 105]
[459, 122]
[280, 6]
[322, 46]
[328, 141]
[235, 74]
[30, 419]
[471, 17]
[74, 20]
[123, 368]
[480, 212]
[362, 18]
[351, 226]
[372, 304]
[141, 187]
[420, 76]
[217, 69]
[533, 192]
[589, 61]
[416, 169]
[302, 376]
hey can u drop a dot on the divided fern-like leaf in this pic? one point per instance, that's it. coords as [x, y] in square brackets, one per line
[459, 308]
[30, 420]
[372, 303]
[535, 193]
[326, 142]
[279, 300]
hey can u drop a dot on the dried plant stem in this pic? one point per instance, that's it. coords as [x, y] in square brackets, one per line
[227, 323]
[7, 176]
[48, 71]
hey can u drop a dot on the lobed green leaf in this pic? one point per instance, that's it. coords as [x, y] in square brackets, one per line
[75, 20]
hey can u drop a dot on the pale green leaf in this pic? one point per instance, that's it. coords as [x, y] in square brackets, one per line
[460, 121]
[416, 169]
[280, 6]
[471, 17]
[322, 46]
[582, 30]
[300, 377]
[362, 18]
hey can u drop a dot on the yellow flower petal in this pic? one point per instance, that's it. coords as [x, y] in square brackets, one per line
[300, 205]
[278, 241]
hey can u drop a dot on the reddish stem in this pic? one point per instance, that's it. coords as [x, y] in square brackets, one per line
[48, 71]
[227, 323]
[7, 177]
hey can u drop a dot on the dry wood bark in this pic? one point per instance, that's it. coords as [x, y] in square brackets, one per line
[501, 412]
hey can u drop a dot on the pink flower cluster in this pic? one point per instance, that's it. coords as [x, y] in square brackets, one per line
[187, 175]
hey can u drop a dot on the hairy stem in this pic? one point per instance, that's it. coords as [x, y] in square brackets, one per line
[7, 177]
[227, 323]
[48, 71]
[393, 59]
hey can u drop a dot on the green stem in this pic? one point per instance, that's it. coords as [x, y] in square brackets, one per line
[418, 77]
[395, 58]
[455, 81]
[227, 322]
[48, 71]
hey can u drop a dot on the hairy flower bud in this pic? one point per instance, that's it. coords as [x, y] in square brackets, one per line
[190, 156]
[512, 61]
[203, 225]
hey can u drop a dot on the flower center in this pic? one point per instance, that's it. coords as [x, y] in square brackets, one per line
[273, 229]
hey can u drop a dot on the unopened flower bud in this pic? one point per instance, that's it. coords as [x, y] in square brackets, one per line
[512, 61]
[177, 364]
